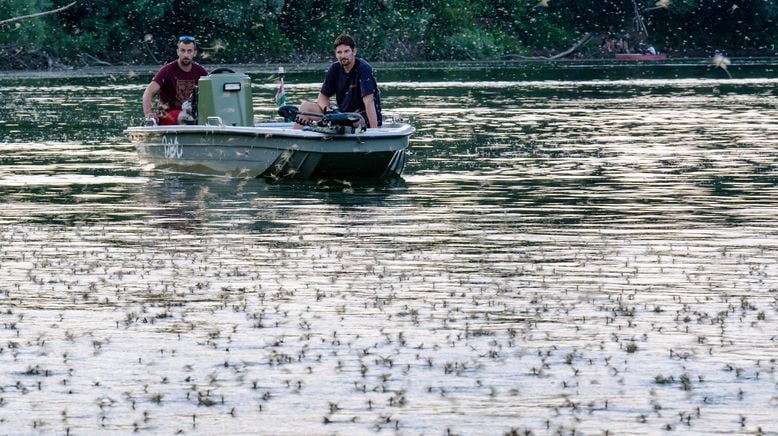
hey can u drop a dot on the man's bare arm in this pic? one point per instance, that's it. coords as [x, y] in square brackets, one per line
[148, 95]
[372, 116]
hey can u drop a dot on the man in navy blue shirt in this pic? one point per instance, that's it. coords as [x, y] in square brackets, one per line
[353, 84]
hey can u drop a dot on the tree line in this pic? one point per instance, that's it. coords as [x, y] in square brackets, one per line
[258, 31]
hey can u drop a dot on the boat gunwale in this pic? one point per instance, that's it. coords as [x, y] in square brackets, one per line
[272, 129]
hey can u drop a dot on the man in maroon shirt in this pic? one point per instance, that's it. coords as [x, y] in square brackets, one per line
[175, 83]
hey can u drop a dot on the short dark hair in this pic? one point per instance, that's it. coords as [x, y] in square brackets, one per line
[344, 39]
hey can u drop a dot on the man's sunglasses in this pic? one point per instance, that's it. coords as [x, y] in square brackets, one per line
[186, 39]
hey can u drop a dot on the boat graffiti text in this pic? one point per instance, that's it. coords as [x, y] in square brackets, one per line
[173, 150]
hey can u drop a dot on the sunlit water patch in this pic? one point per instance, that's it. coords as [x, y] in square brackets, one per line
[563, 255]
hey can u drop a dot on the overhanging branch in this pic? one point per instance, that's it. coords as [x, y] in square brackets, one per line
[39, 14]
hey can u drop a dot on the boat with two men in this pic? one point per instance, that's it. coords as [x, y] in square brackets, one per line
[222, 138]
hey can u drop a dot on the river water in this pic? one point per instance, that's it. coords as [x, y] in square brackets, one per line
[575, 247]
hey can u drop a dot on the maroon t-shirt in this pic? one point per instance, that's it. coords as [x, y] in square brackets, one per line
[176, 85]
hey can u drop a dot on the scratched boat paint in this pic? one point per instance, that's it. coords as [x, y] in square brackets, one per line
[575, 247]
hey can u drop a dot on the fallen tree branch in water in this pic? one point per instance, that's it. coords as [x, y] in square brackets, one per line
[93, 60]
[148, 49]
[39, 14]
[567, 52]
[15, 57]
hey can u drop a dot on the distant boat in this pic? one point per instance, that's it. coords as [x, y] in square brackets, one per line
[640, 57]
[647, 52]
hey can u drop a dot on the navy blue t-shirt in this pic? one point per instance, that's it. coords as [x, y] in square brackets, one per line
[349, 89]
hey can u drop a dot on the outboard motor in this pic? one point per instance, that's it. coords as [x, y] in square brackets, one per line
[336, 122]
[226, 95]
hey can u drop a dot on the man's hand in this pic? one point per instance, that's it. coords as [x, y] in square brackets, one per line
[151, 118]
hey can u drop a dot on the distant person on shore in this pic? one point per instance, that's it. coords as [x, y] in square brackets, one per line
[609, 40]
[622, 45]
[353, 84]
[175, 82]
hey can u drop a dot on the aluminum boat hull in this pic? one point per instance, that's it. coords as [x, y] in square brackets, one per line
[275, 150]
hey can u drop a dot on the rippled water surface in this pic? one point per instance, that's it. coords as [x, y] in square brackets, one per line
[574, 248]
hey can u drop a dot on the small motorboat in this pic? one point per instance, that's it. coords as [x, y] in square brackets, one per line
[224, 139]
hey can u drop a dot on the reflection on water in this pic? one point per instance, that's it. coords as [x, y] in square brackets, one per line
[574, 247]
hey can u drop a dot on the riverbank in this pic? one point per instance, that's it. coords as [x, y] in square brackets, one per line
[17, 62]
[270, 69]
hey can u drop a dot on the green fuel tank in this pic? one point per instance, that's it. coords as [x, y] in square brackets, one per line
[225, 96]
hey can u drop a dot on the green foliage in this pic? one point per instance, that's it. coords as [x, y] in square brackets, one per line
[111, 31]
[717, 25]
[26, 33]
[146, 31]
[230, 31]
[404, 28]
[310, 25]
[471, 43]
